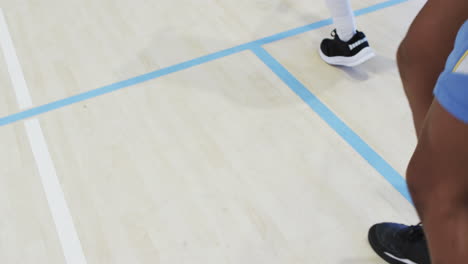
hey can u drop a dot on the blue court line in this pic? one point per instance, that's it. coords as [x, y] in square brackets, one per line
[181, 66]
[359, 145]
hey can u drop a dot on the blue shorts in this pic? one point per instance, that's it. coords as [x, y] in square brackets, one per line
[451, 90]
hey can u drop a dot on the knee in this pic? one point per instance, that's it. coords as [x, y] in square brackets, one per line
[405, 58]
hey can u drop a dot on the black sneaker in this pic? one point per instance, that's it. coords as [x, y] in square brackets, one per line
[354, 52]
[398, 244]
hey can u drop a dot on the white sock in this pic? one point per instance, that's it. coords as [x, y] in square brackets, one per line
[343, 18]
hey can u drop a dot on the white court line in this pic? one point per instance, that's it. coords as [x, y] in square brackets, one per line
[67, 234]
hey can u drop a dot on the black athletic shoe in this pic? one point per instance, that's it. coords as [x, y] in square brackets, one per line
[398, 244]
[351, 53]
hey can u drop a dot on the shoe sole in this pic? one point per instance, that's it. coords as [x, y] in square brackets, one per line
[364, 55]
[380, 251]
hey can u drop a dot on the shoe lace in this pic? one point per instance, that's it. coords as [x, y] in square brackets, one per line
[414, 233]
